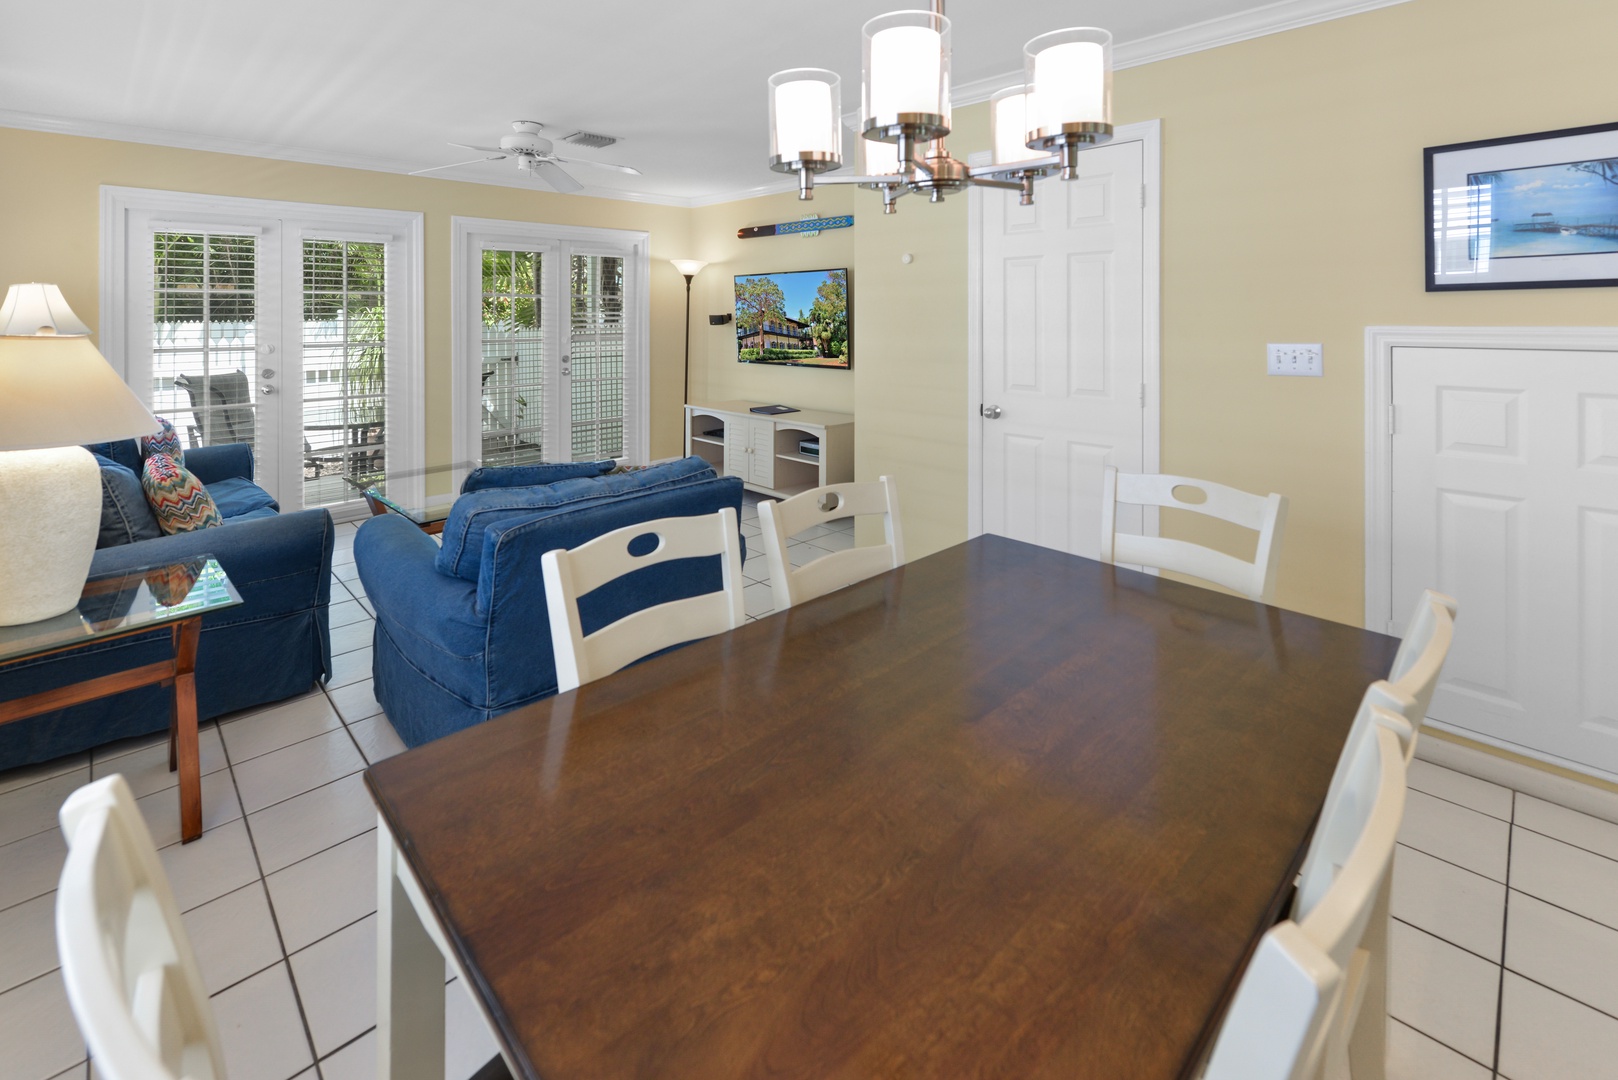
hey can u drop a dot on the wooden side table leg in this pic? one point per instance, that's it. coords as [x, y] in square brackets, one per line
[174, 710]
[185, 727]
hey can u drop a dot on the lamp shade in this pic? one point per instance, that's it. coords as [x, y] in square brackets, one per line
[906, 70]
[1069, 75]
[805, 115]
[35, 309]
[1008, 126]
[60, 391]
[688, 267]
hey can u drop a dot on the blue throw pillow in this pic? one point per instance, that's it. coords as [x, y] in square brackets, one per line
[509, 476]
[125, 452]
[125, 516]
[462, 553]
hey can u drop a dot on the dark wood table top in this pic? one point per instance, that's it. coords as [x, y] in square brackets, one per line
[1001, 812]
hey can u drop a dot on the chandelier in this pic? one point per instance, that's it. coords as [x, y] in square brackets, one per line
[1037, 129]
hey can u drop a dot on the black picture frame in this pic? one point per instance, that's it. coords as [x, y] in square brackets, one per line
[1535, 211]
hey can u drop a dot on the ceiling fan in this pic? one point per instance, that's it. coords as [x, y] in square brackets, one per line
[534, 156]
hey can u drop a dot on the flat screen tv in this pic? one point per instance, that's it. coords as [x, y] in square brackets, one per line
[798, 318]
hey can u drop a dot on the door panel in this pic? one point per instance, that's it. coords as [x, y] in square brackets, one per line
[1505, 495]
[1063, 350]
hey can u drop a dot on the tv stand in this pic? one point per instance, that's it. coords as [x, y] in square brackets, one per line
[766, 451]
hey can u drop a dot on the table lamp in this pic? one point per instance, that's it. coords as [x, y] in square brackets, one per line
[56, 391]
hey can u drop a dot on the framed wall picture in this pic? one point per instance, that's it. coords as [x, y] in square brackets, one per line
[1526, 212]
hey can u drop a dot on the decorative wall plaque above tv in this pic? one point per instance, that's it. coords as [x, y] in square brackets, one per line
[798, 318]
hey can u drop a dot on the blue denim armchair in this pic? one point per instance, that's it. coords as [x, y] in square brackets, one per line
[462, 633]
[275, 645]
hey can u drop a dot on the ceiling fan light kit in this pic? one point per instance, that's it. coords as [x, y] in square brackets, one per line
[1064, 107]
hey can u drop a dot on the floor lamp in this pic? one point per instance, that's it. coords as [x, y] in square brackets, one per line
[689, 268]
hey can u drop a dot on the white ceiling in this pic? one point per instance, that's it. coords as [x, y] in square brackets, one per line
[386, 84]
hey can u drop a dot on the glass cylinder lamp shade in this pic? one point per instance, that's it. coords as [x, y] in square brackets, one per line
[806, 106]
[879, 158]
[906, 75]
[1069, 75]
[1008, 126]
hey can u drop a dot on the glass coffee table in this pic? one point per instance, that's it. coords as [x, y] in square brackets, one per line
[175, 595]
[405, 493]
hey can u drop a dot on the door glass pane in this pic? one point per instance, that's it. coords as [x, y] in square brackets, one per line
[205, 335]
[597, 347]
[344, 369]
[513, 362]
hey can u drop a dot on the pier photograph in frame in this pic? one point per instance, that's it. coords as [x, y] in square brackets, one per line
[1526, 212]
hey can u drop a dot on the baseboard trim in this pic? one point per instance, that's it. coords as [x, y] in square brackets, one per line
[1564, 787]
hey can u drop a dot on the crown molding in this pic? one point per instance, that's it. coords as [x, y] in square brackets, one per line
[1228, 30]
[181, 140]
[1199, 37]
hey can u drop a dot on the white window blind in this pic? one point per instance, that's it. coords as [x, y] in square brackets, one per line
[345, 350]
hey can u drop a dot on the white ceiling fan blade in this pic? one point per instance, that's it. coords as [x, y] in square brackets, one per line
[456, 165]
[630, 169]
[553, 174]
[481, 149]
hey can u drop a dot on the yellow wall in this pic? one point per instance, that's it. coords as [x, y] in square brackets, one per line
[1292, 211]
[50, 231]
[716, 374]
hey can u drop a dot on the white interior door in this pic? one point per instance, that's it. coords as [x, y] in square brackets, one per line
[1505, 496]
[1063, 347]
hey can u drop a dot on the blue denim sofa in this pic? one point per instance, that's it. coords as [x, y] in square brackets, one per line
[275, 645]
[462, 633]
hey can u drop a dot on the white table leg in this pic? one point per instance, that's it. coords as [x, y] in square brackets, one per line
[410, 976]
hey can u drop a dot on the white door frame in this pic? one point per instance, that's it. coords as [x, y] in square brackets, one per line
[1380, 341]
[468, 237]
[407, 381]
[1149, 133]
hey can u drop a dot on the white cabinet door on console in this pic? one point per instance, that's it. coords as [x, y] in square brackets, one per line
[1505, 496]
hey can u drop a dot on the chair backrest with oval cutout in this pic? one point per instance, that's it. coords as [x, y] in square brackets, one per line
[1264, 514]
[132, 980]
[781, 521]
[570, 574]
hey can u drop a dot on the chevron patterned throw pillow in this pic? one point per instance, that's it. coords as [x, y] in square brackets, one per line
[166, 441]
[177, 498]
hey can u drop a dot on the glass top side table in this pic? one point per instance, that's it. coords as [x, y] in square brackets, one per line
[173, 595]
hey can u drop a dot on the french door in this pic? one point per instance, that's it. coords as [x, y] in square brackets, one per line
[551, 344]
[286, 327]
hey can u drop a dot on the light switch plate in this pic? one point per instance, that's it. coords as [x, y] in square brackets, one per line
[1295, 360]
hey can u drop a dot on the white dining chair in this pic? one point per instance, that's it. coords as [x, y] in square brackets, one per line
[1264, 514]
[1348, 861]
[781, 521]
[1426, 645]
[1277, 1023]
[132, 980]
[570, 574]
[1299, 999]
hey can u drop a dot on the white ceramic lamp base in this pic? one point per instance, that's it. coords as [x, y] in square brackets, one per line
[50, 516]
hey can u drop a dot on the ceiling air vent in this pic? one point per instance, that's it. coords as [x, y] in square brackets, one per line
[589, 139]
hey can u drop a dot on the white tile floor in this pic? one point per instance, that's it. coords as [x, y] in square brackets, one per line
[1505, 941]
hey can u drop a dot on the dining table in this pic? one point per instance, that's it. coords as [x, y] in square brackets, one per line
[1002, 811]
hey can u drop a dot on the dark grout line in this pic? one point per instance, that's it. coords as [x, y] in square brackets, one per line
[1505, 931]
[1445, 940]
[1565, 843]
[275, 921]
[1463, 806]
[1440, 1042]
[349, 1043]
[1562, 908]
[1561, 994]
[1422, 851]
